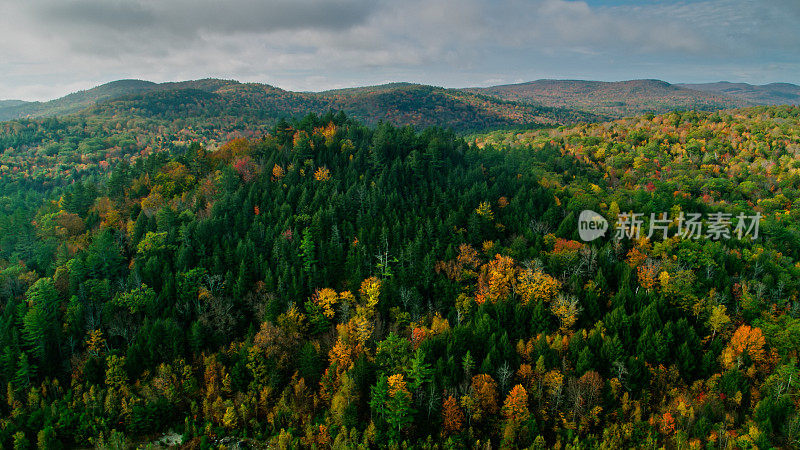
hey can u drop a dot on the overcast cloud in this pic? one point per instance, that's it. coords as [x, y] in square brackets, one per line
[52, 47]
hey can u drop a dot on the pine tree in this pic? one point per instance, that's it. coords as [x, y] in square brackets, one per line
[25, 372]
[468, 364]
[418, 372]
[307, 248]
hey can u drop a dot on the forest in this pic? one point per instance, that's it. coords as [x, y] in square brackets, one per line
[321, 283]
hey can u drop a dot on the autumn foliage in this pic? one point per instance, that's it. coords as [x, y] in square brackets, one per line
[316, 283]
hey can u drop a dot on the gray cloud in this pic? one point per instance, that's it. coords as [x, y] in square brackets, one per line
[48, 47]
[153, 26]
[114, 15]
[190, 16]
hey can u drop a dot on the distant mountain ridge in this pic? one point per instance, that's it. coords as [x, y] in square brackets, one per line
[76, 101]
[114, 90]
[11, 103]
[766, 94]
[614, 99]
[546, 102]
[400, 103]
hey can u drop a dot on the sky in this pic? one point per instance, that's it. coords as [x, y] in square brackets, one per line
[49, 48]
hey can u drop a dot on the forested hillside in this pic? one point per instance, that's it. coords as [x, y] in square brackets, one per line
[319, 283]
[770, 94]
[74, 102]
[212, 104]
[622, 98]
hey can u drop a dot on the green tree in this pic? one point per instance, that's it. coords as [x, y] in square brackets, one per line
[418, 372]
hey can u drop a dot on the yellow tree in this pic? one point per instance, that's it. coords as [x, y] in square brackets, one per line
[322, 174]
[397, 383]
[229, 420]
[326, 299]
[534, 285]
[718, 319]
[485, 210]
[370, 290]
[496, 279]
[566, 309]
[116, 376]
[554, 382]
[278, 172]
[467, 256]
[347, 395]
[95, 342]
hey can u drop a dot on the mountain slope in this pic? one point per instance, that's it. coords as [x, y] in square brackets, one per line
[397, 103]
[76, 101]
[208, 99]
[612, 98]
[542, 102]
[11, 103]
[767, 94]
[424, 105]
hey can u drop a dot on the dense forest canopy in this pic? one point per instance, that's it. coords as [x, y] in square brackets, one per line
[320, 283]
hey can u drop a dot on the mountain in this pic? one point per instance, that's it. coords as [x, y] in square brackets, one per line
[767, 94]
[542, 102]
[9, 108]
[424, 105]
[207, 98]
[11, 103]
[617, 99]
[76, 101]
[397, 103]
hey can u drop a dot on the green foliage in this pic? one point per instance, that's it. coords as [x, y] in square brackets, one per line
[177, 289]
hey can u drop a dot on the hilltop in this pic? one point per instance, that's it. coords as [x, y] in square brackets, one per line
[615, 99]
[767, 94]
[399, 103]
[74, 102]
[535, 103]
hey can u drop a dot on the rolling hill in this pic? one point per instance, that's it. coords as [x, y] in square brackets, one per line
[11, 103]
[615, 99]
[415, 104]
[542, 102]
[398, 103]
[116, 120]
[767, 94]
[74, 102]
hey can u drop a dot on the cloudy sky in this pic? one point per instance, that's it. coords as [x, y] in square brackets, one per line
[52, 47]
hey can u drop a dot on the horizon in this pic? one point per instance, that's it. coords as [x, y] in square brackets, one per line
[384, 83]
[51, 48]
